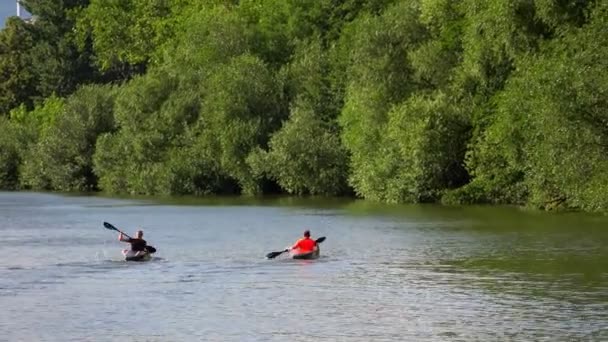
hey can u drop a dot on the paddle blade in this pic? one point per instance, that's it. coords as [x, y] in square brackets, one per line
[150, 249]
[273, 255]
[321, 239]
[109, 226]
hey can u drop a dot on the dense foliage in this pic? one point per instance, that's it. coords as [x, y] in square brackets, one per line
[453, 101]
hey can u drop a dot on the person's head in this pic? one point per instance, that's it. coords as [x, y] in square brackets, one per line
[139, 234]
[307, 233]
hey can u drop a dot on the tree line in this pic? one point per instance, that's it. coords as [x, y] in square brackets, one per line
[451, 101]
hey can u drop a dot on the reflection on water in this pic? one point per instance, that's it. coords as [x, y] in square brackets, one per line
[387, 273]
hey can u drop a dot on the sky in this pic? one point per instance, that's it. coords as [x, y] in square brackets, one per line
[7, 8]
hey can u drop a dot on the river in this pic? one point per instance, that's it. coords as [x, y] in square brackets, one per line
[387, 273]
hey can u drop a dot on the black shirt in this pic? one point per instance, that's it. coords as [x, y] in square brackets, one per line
[137, 245]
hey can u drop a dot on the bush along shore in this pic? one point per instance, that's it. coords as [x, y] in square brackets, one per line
[452, 101]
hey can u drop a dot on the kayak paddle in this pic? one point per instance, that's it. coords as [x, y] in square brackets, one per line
[273, 255]
[110, 226]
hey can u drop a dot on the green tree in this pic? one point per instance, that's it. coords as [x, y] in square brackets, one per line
[305, 156]
[127, 35]
[429, 136]
[548, 134]
[17, 79]
[9, 155]
[34, 125]
[242, 110]
[379, 77]
[129, 160]
[62, 158]
[60, 67]
[298, 166]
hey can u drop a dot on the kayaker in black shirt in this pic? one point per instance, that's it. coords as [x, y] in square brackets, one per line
[138, 244]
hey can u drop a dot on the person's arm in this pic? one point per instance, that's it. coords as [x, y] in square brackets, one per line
[122, 238]
[296, 245]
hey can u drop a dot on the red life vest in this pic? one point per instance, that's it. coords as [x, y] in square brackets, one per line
[305, 245]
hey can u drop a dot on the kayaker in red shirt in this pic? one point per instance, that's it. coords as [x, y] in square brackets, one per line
[305, 244]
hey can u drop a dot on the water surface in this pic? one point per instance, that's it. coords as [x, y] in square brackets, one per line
[387, 273]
